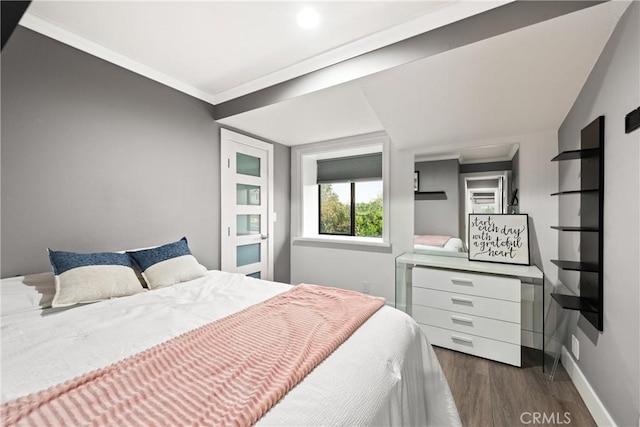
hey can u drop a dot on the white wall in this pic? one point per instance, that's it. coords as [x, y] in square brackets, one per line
[538, 179]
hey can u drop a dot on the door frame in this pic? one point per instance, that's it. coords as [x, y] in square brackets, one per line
[228, 139]
[503, 182]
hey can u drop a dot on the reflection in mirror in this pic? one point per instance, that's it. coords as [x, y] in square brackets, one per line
[453, 185]
[436, 206]
[483, 192]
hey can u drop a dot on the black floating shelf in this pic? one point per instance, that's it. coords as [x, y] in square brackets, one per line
[572, 302]
[589, 190]
[589, 264]
[577, 154]
[576, 266]
[430, 195]
[572, 228]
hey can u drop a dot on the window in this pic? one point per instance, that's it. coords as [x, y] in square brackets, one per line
[484, 202]
[350, 195]
[351, 209]
[341, 194]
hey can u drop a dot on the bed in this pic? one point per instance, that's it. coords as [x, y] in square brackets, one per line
[385, 373]
[439, 245]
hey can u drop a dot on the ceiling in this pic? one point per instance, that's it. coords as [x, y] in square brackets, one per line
[222, 49]
[519, 82]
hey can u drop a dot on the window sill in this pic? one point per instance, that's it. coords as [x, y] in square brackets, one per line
[344, 242]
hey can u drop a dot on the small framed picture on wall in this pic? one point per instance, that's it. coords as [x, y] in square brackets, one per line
[416, 180]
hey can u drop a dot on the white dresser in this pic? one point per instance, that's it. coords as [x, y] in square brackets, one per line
[472, 307]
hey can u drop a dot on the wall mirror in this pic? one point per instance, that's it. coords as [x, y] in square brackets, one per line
[453, 185]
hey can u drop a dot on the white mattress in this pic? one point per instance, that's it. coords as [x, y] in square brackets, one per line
[386, 373]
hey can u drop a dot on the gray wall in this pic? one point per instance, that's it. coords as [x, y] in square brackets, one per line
[610, 359]
[282, 185]
[437, 216]
[97, 158]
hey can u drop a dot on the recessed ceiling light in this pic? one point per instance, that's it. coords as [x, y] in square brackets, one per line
[309, 18]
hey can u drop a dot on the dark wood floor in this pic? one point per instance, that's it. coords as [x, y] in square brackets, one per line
[494, 394]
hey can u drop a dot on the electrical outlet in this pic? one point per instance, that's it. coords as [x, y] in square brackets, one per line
[575, 347]
[365, 287]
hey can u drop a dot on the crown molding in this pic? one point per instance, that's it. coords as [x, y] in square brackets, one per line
[437, 157]
[49, 29]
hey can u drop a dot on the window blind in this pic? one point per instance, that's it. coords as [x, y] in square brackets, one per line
[353, 168]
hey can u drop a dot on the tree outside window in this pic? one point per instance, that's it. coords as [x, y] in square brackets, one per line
[351, 209]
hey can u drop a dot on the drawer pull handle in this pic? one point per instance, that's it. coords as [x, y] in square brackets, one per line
[462, 319]
[462, 300]
[462, 339]
[459, 281]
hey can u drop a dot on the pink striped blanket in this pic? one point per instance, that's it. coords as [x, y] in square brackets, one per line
[431, 240]
[228, 372]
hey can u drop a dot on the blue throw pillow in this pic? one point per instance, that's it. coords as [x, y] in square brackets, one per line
[168, 264]
[92, 277]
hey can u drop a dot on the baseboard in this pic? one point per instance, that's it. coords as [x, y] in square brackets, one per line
[591, 399]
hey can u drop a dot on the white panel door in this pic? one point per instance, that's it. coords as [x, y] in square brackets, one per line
[247, 197]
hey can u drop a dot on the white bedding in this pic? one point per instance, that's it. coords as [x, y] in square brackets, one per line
[386, 373]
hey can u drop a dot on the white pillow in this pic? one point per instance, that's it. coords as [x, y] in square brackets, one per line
[136, 269]
[82, 278]
[27, 293]
[168, 264]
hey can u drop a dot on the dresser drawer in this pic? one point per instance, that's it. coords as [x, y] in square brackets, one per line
[505, 288]
[471, 344]
[508, 311]
[468, 324]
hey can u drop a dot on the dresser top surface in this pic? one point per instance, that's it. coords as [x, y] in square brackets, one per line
[453, 263]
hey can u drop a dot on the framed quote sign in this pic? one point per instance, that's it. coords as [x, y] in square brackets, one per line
[499, 238]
